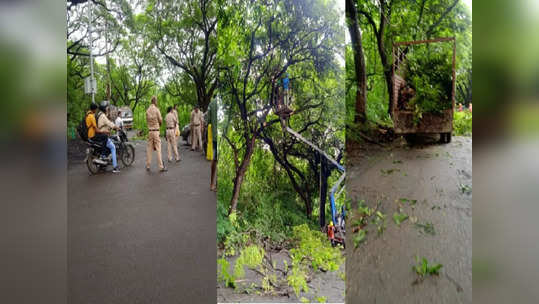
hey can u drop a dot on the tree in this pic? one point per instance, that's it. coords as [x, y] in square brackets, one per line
[359, 61]
[185, 34]
[258, 43]
[386, 21]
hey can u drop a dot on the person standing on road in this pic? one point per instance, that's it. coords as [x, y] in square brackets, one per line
[104, 126]
[212, 116]
[196, 129]
[154, 121]
[171, 121]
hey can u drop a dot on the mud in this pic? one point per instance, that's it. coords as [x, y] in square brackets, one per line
[437, 182]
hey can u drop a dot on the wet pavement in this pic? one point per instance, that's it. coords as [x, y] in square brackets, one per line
[435, 182]
[142, 237]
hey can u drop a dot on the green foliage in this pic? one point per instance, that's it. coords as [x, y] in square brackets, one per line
[410, 20]
[462, 123]
[398, 218]
[423, 268]
[427, 228]
[321, 299]
[223, 274]
[466, 189]
[359, 237]
[428, 71]
[298, 280]
[313, 248]
[251, 256]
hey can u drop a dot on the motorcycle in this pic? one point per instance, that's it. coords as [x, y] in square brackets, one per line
[96, 150]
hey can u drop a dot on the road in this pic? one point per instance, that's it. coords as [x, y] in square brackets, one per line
[142, 237]
[438, 179]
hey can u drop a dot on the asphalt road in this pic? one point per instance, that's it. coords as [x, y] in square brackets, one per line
[431, 184]
[142, 237]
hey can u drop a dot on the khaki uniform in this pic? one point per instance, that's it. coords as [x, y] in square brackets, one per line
[177, 125]
[154, 120]
[171, 123]
[197, 119]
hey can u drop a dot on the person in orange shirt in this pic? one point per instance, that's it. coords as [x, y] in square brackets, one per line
[91, 123]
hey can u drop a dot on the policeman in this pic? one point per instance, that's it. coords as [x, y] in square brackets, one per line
[154, 121]
[171, 121]
[196, 129]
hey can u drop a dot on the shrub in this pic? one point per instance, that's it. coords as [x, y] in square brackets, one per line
[462, 123]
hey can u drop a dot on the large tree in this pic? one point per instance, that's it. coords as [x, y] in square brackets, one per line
[185, 34]
[258, 43]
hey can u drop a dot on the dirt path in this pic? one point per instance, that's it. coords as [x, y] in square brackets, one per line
[435, 183]
[139, 237]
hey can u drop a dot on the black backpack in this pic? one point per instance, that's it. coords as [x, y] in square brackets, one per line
[82, 129]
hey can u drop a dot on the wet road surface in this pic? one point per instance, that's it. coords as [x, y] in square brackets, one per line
[379, 270]
[142, 237]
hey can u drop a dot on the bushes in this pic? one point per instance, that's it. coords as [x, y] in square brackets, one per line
[429, 71]
[462, 123]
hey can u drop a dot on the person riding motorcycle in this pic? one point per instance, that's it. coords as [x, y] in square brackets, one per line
[104, 126]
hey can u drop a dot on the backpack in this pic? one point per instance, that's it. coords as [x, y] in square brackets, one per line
[82, 129]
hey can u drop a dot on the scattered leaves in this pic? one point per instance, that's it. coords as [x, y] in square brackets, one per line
[398, 218]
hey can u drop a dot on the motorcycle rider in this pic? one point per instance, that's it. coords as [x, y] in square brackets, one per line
[104, 126]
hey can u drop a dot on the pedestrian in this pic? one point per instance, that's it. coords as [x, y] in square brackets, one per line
[470, 107]
[154, 121]
[196, 129]
[212, 116]
[171, 121]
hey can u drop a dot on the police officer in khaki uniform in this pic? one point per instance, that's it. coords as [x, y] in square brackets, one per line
[171, 121]
[154, 121]
[197, 119]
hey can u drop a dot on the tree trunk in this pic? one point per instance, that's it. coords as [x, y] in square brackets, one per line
[240, 174]
[359, 62]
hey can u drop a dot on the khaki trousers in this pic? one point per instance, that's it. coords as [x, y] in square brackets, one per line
[196, 140]
[154, 143]
[172, 144]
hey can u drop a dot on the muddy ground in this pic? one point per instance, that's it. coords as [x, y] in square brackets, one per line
[327, 284]
[431, 183]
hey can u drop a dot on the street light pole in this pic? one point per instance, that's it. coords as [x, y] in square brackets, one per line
[92, 79]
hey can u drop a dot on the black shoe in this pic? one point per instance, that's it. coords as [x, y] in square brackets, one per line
[116, 170]
[164, 169]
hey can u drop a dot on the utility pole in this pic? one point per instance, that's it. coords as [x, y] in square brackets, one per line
[92, 79]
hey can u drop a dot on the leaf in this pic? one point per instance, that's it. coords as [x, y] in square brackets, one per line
[359, 237]
[398, 218]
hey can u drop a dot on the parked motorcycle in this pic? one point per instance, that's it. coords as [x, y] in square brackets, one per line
[96, 150]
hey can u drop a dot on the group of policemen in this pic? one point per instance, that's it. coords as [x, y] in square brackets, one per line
[154, 121]
[99, 127]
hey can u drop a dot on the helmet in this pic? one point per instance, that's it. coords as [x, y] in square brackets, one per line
[103, 105]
